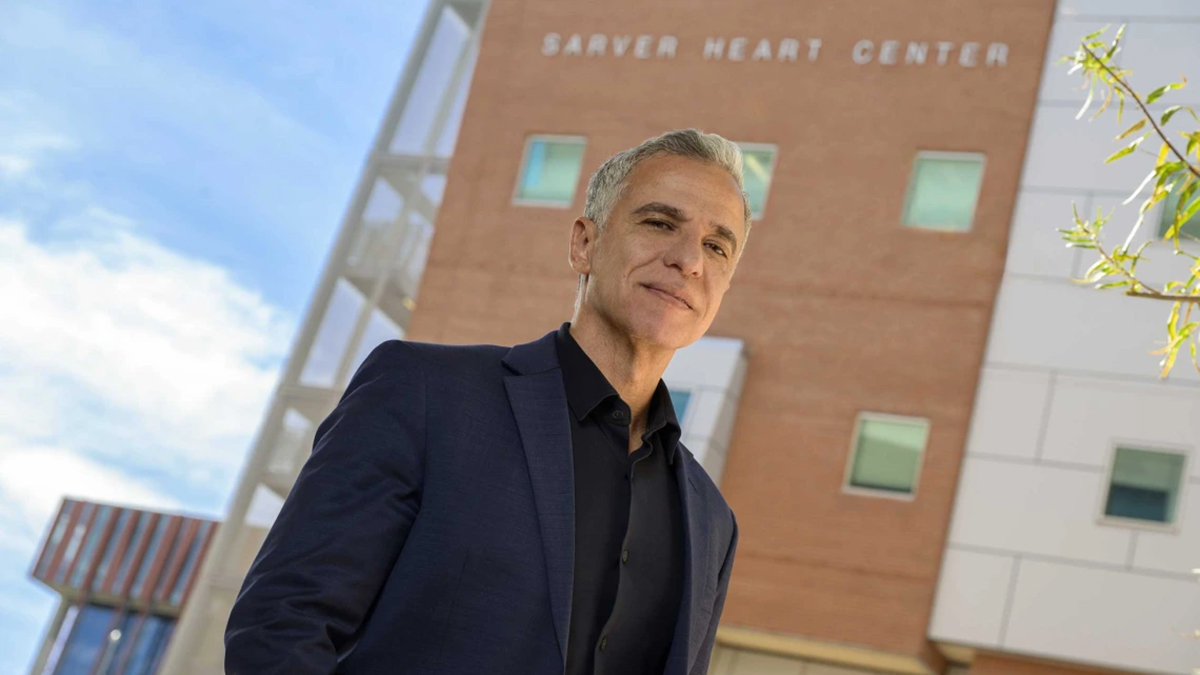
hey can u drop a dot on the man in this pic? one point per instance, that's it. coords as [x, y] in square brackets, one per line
[529, 510]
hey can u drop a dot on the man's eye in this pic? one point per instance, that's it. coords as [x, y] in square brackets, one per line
[659, 223]
[718, 249]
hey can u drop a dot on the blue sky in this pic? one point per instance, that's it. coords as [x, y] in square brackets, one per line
[171, 178]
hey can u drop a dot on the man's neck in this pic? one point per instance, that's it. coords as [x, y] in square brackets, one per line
[632, 367]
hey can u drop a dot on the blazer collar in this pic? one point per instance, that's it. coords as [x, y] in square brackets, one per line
[534, 357]
[539, 405]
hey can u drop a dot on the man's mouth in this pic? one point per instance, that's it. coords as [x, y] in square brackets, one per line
[668, 295]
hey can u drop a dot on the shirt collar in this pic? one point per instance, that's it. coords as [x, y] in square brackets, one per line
[587, 388]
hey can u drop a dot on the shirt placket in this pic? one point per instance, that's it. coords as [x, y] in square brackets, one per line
[620, 418]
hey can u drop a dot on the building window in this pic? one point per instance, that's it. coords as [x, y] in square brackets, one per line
[758, 164]
[193, 556]
[550, 171]
[56, 537]
[73, 543]
[114, 542]
[887, 453]
[89, 636]
[679, 401]
[89, 548]
[147, 561]
[143, 520]
[943, 191]
[1191, 227]
[146, 644]
[1144, 486]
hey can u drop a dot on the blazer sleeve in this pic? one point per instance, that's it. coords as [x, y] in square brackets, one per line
[705, 653]
[340, 529]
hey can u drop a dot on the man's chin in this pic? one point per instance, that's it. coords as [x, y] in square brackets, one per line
[667, 332]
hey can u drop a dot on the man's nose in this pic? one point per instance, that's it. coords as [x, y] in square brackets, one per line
[687, 255]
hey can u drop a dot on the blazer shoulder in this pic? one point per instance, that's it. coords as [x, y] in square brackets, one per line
[704, 484]
[461, 361]
[393, 357]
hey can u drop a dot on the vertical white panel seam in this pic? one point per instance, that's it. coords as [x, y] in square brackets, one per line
[1008, 601]
[1133, 540]
[1046, 412]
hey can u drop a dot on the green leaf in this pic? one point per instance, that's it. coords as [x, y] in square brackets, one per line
[1162, 155]
[1116, 41]
[1169, 113]
[1131, 130]
[1149, 177]
[1087, 103]
[1125, 150]
[1166, 171]
[1158, 93]
[1092, 36]
[1113, 284]
[1107, 100]
[1191, 209]
[1192, 185]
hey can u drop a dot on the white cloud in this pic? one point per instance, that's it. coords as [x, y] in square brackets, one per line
[13, 165]
[129, 374]
[171, 342]
[33, 480]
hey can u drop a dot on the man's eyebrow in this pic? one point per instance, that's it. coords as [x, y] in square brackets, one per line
[660, 207]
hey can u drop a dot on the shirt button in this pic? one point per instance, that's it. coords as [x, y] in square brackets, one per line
[625, 555]
[603, 642]
[618, 415]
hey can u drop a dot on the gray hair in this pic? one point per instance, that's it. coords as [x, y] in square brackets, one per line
[607, 185]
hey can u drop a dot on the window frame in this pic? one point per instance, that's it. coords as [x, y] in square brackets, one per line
[950, 155]
[1102, 518]
[757, 147]
[865, 416]
[517, 200]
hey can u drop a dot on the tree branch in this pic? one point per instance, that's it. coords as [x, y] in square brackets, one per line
[1155, 295]
[1137, 99]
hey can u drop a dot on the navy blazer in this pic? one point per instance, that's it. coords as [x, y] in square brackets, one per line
[432, 530]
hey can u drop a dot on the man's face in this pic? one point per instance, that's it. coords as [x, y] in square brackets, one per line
[662, 264]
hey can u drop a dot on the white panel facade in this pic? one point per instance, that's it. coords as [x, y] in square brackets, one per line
[1089, 415]
[1105, 617]
[712, 371]
[1010, 407]
[1035, 247]
[1068, 154]
[1038, 509]
[1032, 566]
[1172, 552]
[972, 596]
[1056, 325]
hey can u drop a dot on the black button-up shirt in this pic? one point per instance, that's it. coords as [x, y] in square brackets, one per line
[628, 526]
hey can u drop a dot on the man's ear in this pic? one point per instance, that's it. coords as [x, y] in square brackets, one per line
[583, 244]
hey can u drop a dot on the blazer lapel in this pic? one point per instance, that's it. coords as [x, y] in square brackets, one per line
[691, 625]
[539, 403]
